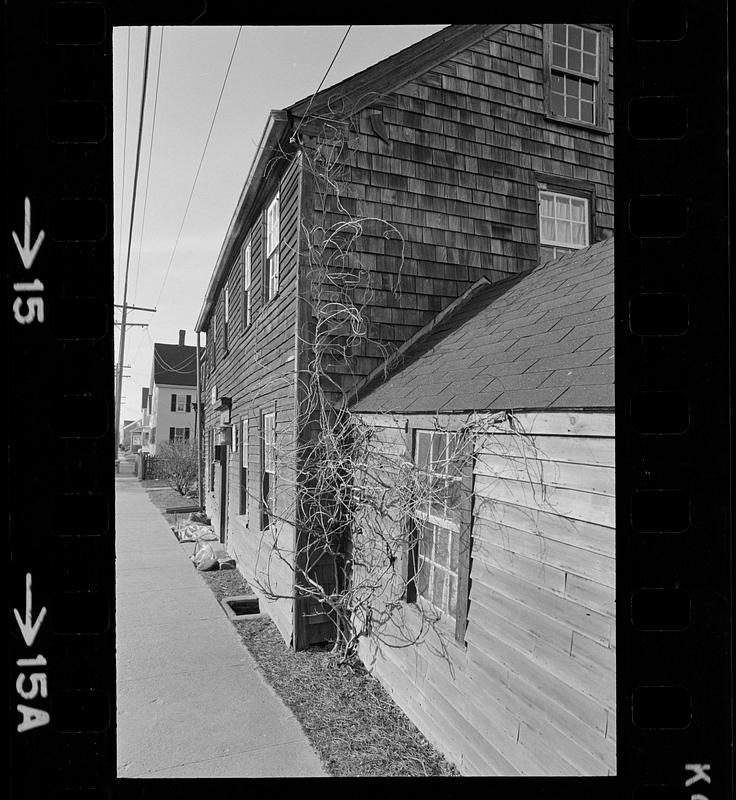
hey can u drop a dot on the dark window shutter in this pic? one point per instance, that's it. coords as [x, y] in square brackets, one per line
[189, 402]
[173, 402]
[172, 434]
[186, 434]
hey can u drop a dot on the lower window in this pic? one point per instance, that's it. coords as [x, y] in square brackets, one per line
[439, 560]
[178, 435]
[437, 567]
[244, 466]
[268, 478]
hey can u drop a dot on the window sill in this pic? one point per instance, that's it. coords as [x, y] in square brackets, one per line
[577, 123]
[445, 625]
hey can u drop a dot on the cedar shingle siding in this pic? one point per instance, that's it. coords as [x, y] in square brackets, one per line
[468, 143]
[453, 158]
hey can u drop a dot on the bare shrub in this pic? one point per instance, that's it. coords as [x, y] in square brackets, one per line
[179, 465]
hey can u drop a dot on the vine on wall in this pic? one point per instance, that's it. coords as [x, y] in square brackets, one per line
[353, 500]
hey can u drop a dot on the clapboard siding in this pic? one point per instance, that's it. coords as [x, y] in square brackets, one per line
[258, 374]
[531, 691]
[467, 143]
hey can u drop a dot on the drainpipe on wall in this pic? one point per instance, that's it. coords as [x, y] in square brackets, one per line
[198, 430]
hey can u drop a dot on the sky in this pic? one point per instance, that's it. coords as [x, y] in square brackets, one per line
[169, 264]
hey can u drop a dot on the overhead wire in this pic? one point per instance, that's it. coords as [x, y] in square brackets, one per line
[125, 150]
[324, 78]
[178, 368]
[148, 170]
[121, 350]
[199, 167]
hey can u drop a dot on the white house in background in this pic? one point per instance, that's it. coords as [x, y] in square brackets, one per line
[145, 420]
[172, 395]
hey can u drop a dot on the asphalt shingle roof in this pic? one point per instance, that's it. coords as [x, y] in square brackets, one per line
[174, 364]
[542, 339]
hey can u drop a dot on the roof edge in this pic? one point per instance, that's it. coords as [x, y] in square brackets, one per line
[467, 411]
[386, 367]
[277, 123]
[429, 52]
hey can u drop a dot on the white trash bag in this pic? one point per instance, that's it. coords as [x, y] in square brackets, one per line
[204, 558]
[194, 532]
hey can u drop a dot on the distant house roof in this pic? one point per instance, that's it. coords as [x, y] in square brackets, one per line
[174, 364]
[355, 93]
[542, 339]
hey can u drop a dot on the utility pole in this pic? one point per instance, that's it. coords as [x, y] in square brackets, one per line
[124, 320]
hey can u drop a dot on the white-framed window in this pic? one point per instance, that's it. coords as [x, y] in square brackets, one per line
[244, 466]
[226, 315]
[575, 87]
[178, 435]
[271, 262]
[212, 460]
[436, 553]
[564, 224]
[246, 283]
[212, 345]
[268, 478]
[181, 402]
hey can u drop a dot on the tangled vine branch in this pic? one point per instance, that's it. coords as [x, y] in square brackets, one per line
[356, 506]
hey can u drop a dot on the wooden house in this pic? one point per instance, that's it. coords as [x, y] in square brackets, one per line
[518, 675]
[172, 394]
[476, 153]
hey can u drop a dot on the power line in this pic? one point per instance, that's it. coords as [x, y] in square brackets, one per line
[148, 171]
[324, 78]
[201, 160]
[119, 392]
[158, 358]
[125, 150]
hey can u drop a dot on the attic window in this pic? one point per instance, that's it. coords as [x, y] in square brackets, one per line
[575, 89]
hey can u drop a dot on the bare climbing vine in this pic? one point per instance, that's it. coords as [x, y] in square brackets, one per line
[349, 504]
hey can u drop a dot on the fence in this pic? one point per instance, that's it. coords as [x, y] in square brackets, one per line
[152, 467]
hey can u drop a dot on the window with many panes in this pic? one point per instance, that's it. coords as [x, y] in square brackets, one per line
[244, 466]
[576, 60]
[564, 224]
[226, 316]
[212, 345]
[178, 435]
[268, 477]
[271, 261]
[439, 560]
[211, 450]
[246, 283]
[181, 402]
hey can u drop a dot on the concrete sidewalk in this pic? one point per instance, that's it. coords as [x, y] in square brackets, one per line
[191, 701]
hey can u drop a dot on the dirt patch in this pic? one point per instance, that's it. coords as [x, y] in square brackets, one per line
[163, 497]
[350, 719]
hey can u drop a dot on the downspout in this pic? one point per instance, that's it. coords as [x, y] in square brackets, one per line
[198, 430]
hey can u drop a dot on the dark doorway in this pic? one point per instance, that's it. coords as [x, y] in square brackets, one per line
[223, 493]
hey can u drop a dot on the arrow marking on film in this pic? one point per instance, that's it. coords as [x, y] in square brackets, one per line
[28, 628]
[28, 253]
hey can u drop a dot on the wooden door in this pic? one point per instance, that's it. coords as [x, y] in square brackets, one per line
[223, 493]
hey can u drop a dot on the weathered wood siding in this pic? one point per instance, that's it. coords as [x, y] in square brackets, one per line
[257, 372]
[531, 691]
[458, 176]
